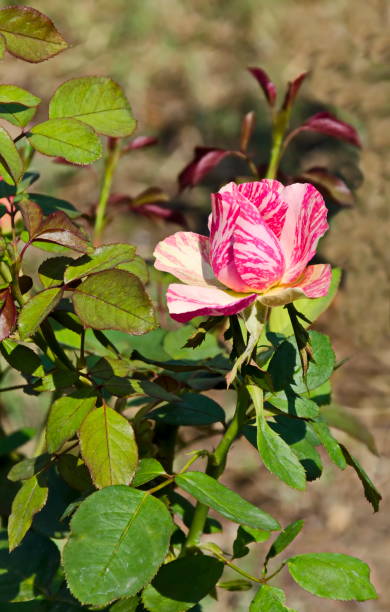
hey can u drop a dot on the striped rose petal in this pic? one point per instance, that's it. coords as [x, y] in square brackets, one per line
[186, 256]
[186, 302]
[304, 225]
[314, 283]
[225, 207]
[257, 253]
[266, 196]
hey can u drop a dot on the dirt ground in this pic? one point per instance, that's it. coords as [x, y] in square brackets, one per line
[182, 65]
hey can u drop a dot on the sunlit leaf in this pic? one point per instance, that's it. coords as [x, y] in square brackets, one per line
[71, 139]
[30, 498]
[11, 165]
[66, 415]
[17, 105]
[36, 310]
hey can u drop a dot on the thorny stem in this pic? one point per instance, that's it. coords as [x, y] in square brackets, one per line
[216, 465]
[112, 160]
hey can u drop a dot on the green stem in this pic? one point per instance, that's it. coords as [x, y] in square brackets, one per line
[233, 566]
[216, 465]
[280, 124]
[110, 166]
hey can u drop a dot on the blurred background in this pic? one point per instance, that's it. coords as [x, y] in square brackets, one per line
[183, 66]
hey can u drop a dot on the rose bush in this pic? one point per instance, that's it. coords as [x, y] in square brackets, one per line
[262, 236]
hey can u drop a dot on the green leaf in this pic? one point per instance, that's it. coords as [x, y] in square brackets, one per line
[138, 267]
[228, 503]
[148, 469]
[279, 321]
[268, 599]
[114, 299]
[119, 538]
[28, 569]
[22, 358]
[330, 444]
[346, 420]
[172, 590]
[103, 258]
[333, 575]
[247, 535]
[370, 491]
[192, 409]
[66, 415]
[36, 310]
[275, 453]
[27, 468]
[125, 605]
[174, 342]
[108, 447]
[30, 498]
[17, 105]
[285, 368]
[50, 204]
[11, 165]
[97, 101]
[68, 138]
[2, 46]
[284, 539]
[74, 472]
[51, 271]
[293, 405]
[29, 34]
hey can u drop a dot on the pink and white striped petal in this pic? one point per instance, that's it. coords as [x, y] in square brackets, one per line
[225, 207]
[266, 195]
[186, 302]
[186, 256]
[304, 224]
[257, 254]
[314, 283]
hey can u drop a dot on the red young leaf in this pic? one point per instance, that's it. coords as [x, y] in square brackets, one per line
[32, 216]
[333, 185]
[161, 212]
[247, 127]
[265, 83]
[205, 159]
[292, 90]
[7, 314]
[140, 143]
[328, 124]
[58, 228]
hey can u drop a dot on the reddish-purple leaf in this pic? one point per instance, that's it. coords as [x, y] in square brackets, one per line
[328, 124]
[333, 185]
[58, 228]
[32, 216]
[292, 90]
[247, 127]
[265, 83]
[158, 211]
[205, 159]
[140, 143]
[7, 314]
[152, 195]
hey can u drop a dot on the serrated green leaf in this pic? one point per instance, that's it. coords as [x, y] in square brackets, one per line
[17, 105]
[36, 310]
[11, 165]
[27, 468]
[104, 257]
[279, 321]
[247, 535]
[30, 498]
[191, 409]
[138, 267]
[112, 555]
[108, 447]
[228, 503]
[172, 591]
[68, 138]
[74, 472]
[21, 358]
[275, 453]
[50, 204]
[29, 34]
[51, 271]
[268, 599]
[66, 415]
[114, 299]
[372, 494]
[332, 575]
[330, 444]
[294, 405]
[97, 101]
[284, 539]
[28, 569]
[148, 469]
[125, 605]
